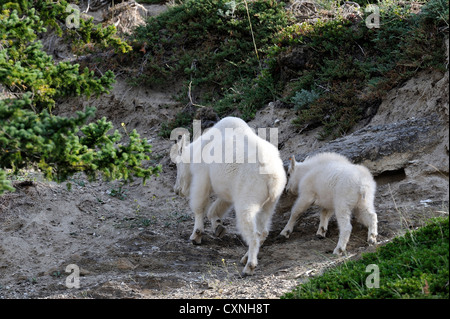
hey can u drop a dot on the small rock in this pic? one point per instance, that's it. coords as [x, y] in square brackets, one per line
[125, 264]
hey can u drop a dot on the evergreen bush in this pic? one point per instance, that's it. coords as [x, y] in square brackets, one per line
[30, 136]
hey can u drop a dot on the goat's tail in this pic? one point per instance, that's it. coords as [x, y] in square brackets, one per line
[366, 192]
[275, 186]
[367, 186]
[363, 189]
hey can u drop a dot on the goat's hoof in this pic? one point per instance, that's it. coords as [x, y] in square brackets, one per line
[320, 235]
[196, 237]
[372, 241]
[246, 274]
[220, 231]
[249, 270]
[285, 233]
[339, 251]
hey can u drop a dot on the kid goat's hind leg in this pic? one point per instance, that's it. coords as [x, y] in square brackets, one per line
[343, 216]
[325, 215]
[366, 215]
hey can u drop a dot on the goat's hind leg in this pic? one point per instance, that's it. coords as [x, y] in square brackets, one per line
[250, 258]
[247, 225]
[263, 222]
[215, 214]
[343, 216]
[366, 215]
[325, 215]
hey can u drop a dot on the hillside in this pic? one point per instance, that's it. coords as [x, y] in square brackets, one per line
[366, 101]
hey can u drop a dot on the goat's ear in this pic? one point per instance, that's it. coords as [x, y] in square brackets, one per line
[292, 164]
[183, 143]
[178, 135]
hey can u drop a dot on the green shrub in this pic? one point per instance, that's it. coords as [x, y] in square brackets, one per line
[304, 98]
[349, 67]
[415, 265]
[204, 41]
[345, 57]
[20, 5]
[436, 12]
[30, 136]
[211, 43]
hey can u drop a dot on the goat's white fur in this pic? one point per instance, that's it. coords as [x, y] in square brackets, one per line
[332, 182]
[253, 188]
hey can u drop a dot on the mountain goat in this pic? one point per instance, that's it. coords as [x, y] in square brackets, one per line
[243, 170]
[332, 182]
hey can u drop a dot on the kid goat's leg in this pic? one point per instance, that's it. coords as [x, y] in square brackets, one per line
[368, 218]
[302, 203]
[325, 216]
[343, 216]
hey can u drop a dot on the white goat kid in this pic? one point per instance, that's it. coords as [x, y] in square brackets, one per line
[243, 170]
[332, 182]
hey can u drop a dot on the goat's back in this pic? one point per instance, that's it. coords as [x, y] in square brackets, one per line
[250, 166]
[330, 181]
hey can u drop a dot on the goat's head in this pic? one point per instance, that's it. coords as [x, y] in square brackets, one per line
[183, 180]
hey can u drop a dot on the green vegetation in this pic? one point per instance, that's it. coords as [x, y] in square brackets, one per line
[25, 67]
[29, 134]
[415, 265]
[304, 98]
[215, 44]
[351, 66]
[208, 41]
[237, 65]
[235, 56]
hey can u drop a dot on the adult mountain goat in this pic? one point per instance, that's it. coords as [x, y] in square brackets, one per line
[243, 170]
[330, 181]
